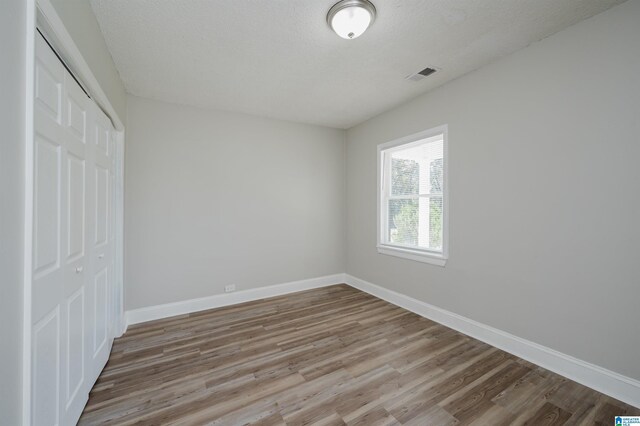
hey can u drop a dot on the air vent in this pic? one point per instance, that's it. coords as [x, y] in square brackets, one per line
[420, 75]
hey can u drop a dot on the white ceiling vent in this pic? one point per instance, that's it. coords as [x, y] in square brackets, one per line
[421, 74]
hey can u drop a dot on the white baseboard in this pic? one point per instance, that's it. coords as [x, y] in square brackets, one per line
[608, 382]
[151, 313]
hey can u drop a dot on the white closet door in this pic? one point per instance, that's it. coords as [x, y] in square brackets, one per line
[101, 242]
[70, 284]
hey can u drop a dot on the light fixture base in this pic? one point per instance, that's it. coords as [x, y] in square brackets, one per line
[341, 28]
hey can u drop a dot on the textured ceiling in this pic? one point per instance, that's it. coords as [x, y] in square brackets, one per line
[279, 59]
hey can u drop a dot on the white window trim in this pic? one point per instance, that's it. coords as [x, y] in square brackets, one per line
[411, 253]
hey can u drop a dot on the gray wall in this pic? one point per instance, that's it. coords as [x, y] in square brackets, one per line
[215, 198]
[82, 24]
[545, 209]
[12, 108]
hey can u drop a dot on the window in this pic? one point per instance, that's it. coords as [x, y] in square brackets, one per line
[412, 189]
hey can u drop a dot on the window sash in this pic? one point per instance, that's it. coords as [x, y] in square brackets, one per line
[387, 197]
[414, 196]
[385, 214]
[385, 221]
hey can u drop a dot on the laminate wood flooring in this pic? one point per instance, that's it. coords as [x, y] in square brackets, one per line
[329, 356]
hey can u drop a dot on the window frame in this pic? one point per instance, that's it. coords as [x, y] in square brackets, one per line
[410, 252]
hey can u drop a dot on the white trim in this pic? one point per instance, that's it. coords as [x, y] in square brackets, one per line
[409, 253]
[606, 381]
[425, 134]
[30, 55]
[121, 324]
[417, 255]
[151, 313]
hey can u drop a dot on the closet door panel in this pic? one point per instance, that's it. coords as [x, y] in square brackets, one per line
[47, 205]
[45, 374]
[75, 351]
[102, 206]
[100, 309]
[49, 78]
[76, 215]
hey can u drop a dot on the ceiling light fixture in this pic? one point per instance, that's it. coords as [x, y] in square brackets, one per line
[350, 18]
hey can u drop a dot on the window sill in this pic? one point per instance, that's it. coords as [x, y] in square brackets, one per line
[417, 255]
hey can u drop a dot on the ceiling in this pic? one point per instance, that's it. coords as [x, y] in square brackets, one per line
[279, 59]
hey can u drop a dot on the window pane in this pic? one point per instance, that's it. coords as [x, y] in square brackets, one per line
[436, 175]
[435, 223]
[403, 222]
[416, 222]
[405, 175]
[418, 169]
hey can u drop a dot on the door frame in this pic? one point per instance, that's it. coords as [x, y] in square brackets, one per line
[42, 14]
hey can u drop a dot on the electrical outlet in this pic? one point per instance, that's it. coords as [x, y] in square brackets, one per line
[229, 288]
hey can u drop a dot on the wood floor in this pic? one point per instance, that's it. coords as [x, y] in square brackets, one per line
[328, 356]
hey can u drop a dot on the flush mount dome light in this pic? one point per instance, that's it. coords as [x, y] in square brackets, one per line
[350, 18]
